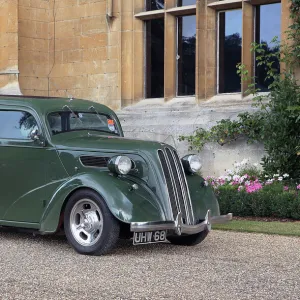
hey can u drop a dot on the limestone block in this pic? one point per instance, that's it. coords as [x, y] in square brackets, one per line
[67, 43]
[72, 56]
[94, 41]
[95, 54]
[33, 83]
[67, 28]
[70, 82]
[96, 80]
[95, 9]
[93, 25]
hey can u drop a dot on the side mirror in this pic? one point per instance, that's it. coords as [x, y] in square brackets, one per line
[34, 135]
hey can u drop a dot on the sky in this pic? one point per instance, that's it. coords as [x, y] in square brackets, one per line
[269, 25]
[270, 22]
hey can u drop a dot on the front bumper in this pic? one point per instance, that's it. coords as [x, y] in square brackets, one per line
[178, 225]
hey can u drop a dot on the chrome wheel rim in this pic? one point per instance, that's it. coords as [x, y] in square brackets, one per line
[86, 222]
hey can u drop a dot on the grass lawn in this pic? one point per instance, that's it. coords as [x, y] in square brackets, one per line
[281, 228]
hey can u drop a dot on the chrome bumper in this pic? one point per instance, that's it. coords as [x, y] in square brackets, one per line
[178, 225]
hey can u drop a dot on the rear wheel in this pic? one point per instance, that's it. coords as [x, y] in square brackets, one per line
[89, 225]
[188, 240]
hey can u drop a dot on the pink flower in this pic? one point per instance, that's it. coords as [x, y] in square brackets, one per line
[253, 186]
[286, 188]
[298, 187]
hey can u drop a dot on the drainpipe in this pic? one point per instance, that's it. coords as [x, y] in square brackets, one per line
[109, 9]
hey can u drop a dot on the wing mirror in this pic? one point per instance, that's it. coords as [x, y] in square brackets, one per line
[35, 136]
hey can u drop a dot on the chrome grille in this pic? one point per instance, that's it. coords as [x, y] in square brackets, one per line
[177, 186]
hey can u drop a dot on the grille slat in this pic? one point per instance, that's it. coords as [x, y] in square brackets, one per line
[177, 186]
[94, 161]
[180, 200]
[168, 181]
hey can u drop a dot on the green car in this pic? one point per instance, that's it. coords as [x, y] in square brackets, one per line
[65, 164]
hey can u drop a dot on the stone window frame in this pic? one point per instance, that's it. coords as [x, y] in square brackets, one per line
[206, 11]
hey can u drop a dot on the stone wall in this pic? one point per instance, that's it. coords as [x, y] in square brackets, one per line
[35, 19]
[69, 48]
[165, 122]
[9, 47]
[86, 51]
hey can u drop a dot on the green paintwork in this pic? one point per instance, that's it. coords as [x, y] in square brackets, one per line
[37, 178]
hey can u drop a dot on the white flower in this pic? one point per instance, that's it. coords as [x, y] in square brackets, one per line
[276, 175]
[247, 182]
[286, 175]
[229, 172]
[236, 177]
[255, 165]
[266, 176]
[280, 178]
[205, 183]
[244, 161]
[237, 165]
[241, 180]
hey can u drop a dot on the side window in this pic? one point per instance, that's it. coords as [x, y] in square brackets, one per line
[16, 125]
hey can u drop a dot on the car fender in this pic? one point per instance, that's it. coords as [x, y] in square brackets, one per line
[124, 202]
[203, 197]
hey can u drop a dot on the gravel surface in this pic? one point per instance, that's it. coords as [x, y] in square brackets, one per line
[226, 265]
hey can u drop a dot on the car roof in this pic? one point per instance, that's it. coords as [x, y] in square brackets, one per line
[44, 105]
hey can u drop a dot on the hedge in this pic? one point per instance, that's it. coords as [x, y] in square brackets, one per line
[263, 203]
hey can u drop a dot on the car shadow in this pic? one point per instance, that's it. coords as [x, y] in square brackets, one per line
[59, 241]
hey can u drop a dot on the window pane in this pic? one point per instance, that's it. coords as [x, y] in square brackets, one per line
[154, 4]
[186, 55]
[230, 50]
[16, 125]
[268, 26]
[185, 2]
[155, 58]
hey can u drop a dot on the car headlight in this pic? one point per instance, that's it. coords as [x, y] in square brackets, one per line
[192, 163]
[120, 164]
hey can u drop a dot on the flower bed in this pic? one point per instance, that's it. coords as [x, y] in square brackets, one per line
[246, 191]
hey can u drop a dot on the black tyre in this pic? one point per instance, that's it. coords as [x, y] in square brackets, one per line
[188, 240]
[90, 227]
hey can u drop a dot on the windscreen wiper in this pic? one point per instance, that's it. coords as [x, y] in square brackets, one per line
[95, 110]
[66, 106]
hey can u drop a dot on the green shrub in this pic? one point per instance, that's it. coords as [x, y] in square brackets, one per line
[271, 201]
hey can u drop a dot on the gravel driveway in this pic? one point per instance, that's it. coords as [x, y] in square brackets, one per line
[225, 266]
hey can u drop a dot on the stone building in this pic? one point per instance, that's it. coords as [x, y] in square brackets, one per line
[166, 66]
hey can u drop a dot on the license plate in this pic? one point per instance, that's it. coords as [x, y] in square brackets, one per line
[149, 237]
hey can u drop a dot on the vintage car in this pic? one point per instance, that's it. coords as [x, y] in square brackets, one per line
[64, 163]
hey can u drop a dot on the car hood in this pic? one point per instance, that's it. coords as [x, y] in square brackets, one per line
[97, 142]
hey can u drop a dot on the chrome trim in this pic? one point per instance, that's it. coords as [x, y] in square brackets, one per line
[172, 180]
[187, 189]
[178, 226]
[166, 185]
[183, 190]
[221, 219]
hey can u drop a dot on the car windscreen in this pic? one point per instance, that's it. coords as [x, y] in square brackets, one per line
[65, 121]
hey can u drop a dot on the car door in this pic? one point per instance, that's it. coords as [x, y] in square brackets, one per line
[22, 167]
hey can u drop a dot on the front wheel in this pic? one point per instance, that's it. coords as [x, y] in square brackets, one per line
[188, 240]
[89, 225]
